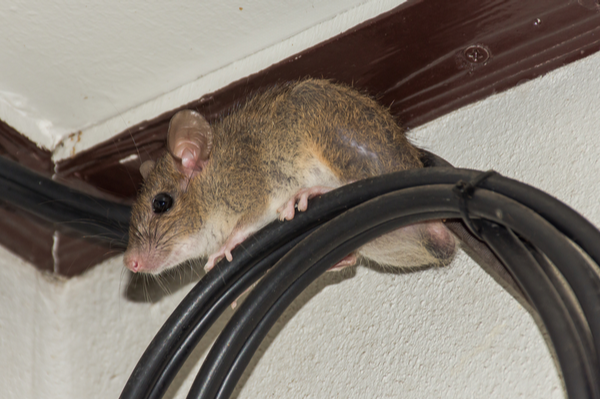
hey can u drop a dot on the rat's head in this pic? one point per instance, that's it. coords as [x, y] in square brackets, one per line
[167, 214]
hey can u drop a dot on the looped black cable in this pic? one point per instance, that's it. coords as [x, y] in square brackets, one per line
[576, 356]
[464, 190]
[229, 355]
[533, 235]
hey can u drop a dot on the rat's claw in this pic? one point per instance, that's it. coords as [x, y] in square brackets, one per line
[287, 211]
[214, 258]
[210, 263]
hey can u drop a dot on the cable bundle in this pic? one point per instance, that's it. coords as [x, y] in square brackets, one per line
[103, 220]
[544, 244]
[529, 231]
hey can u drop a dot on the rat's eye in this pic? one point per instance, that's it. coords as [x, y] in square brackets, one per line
[161, 203]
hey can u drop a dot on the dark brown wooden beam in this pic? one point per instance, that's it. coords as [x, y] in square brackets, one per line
[423, 59]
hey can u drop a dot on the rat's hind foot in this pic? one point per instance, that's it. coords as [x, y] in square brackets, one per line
[287, 211]
[347, 261]
[233, 240]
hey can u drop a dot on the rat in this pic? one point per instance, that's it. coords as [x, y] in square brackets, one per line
[219, 183]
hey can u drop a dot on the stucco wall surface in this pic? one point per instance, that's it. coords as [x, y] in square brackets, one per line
[443, 332]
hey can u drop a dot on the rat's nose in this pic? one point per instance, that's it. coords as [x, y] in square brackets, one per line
[134, 266]
[132, 263]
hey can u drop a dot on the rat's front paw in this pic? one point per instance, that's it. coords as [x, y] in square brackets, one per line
[287, 211]
[233, 240]
[214, 258]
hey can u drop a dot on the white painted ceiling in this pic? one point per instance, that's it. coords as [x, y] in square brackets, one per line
[102, 66]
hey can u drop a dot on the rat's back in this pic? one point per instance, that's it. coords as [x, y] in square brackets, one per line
[354, 135]
[314, 132]
[287, 131]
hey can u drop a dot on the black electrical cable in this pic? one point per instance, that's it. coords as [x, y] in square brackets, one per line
[161, 361]
[56, 203]
[251, 345]
[259, 333]
[221, 393]
[568, 297]
[220, 358]
[577, 300]
[371, 187]
[576, 360]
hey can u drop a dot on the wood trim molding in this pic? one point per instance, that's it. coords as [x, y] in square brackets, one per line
[423, 59]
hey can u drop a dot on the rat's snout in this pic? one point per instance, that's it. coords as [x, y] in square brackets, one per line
[136, 262]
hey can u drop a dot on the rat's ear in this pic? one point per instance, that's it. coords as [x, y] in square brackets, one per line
[146, 167]
[190, 141]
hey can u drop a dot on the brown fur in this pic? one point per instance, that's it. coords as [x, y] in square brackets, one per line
[276, 143]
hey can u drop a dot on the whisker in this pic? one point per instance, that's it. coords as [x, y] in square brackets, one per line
[161, 284]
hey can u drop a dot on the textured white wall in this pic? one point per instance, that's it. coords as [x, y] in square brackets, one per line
[444, 332]
[18, 325]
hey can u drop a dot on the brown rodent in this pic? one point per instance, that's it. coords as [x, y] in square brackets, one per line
[218, 184]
